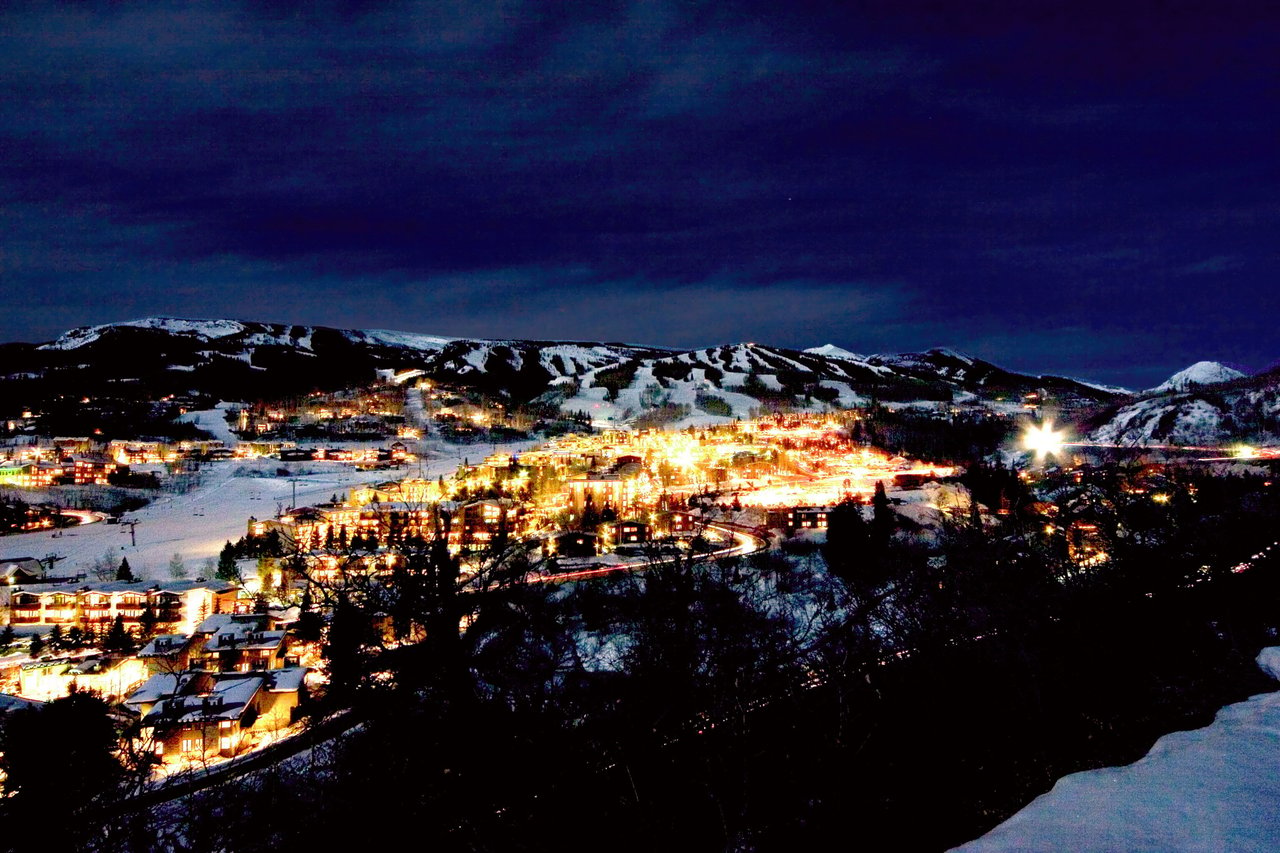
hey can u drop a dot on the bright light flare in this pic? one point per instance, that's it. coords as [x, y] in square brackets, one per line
[1044, 440]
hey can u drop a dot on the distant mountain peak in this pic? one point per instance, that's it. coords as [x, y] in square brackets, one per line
[833, 351]
[1200, 373]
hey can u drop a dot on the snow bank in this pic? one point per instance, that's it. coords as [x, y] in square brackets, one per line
[1216, 788]
[1269, 661]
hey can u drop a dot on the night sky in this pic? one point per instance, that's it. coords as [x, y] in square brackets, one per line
[1085, 188]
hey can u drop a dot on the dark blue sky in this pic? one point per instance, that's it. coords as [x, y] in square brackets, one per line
[1072, 188]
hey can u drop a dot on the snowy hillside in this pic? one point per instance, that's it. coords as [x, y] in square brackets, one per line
[250, 334]
[200, 329]
[1193, 421]
[1247, 410]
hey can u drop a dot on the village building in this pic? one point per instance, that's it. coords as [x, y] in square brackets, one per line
[575, 544]
[601, 491]
[111, 676]
[217, 716]
[470, 526]
[166, 653]
[32, 475]
[241, 642]
[18, 570]
[177, 605]
[630, 532]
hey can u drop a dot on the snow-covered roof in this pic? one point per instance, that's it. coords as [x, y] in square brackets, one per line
[160, 686]
[231, 640]
[164, 645]
[141, 587]
[21, 565]
[228, 700]
[285, 680]
[235, 622]
[10, 703]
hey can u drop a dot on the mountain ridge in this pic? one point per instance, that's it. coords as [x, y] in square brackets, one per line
[245, 359]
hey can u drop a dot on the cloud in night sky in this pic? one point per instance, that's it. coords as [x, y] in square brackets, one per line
[1087, 189]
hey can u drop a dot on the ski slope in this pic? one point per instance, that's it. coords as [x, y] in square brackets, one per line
[197, 524]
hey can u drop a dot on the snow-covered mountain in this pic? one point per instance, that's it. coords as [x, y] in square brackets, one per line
[1208, 404]
[833, 351]
[1200, 373]
[238, 359]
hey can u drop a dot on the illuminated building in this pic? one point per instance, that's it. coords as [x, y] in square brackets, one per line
[630, 532]
[178, 605]
[604, 490]
[110, 676]
[193, 719]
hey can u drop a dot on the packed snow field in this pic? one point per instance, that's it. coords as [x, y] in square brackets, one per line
[198, 523]
[1205, 790]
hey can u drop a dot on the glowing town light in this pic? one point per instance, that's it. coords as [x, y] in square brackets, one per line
[1043, 440]
[1244, 451]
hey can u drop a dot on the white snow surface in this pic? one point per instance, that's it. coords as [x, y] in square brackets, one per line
[1212, 789]
[211, 329]
[1157, 421]
[214, 421]
[1269, 661]
[207, 329]
[1200, 373]
[833, 351]
[409, 340]
[1111, 389]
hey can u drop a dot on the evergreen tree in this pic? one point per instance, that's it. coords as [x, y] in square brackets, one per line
[177, 569]
[7, 637]
[310, 625]
[882, 518]
[125, 572]
[56, 641]
[590, 517]
[147, 622]
[61, 752]
[36, 647]
[227, 568]
[75, 637]
[118, 639]
[846, 539]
